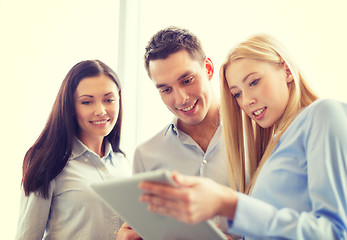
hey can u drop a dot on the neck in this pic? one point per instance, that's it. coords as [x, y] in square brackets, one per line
[95, 145]
[203, 132]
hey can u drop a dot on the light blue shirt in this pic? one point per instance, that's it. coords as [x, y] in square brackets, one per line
[73, 211]
[301, 191]
[173, 149]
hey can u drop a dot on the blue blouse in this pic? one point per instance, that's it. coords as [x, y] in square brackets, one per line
[301, 191]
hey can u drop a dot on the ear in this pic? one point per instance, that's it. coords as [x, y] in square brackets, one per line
[289, 75]
[209, 68]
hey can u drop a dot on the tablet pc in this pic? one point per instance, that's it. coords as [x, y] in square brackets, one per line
[123, 197]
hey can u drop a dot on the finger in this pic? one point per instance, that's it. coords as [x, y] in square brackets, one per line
[161, 190]
[183, 180]
[158, 200]
[176, 209]
[177, 213]
[163, 204]
[153, 186]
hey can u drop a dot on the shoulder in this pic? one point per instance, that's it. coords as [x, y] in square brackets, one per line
[327, 104]
[324, 115]
[326, 109]
[118, 155]
[158, 139]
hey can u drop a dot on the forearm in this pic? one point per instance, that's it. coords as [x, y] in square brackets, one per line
[227, 202]
[268, 221]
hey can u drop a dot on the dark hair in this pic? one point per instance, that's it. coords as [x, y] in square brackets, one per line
[51, 151]
[171, 40]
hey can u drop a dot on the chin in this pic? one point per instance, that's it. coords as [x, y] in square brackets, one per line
[265, 125]
[192, 121]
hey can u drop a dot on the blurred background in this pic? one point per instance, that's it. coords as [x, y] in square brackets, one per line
[41, 40]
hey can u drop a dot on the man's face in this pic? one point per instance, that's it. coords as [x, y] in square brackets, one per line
[184, 85]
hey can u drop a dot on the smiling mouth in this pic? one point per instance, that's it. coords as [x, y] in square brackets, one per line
[188, 108]
[100, 122]
[259, 111]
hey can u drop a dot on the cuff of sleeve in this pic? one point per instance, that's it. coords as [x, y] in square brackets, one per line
[252, 216]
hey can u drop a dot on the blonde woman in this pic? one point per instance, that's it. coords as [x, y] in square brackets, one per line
[297, 146]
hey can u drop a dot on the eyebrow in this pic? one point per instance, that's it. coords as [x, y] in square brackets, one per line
[91, 96]
[183, 76]
[244, 79]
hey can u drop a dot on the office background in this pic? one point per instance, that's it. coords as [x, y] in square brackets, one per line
[41, 40]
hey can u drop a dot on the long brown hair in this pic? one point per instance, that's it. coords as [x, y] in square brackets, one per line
[51, 151]
[239, 129]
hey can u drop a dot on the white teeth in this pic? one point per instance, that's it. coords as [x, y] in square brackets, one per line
[100, 122]
[188, 108]
[257, 113]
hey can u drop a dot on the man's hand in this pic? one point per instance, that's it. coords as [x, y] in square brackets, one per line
[127, 233]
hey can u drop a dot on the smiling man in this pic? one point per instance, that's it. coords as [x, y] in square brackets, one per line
[192, 143]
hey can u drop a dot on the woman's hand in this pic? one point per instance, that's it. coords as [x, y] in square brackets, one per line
[195, 199]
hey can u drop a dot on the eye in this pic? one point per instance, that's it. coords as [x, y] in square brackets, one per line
[86, 102]
[188, 80]
[165, 90]
[110, 100]
[237, 95]
[254, 82]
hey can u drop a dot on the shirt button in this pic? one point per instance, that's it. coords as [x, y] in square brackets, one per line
[204, 161]
[102, 169]
[86, 159]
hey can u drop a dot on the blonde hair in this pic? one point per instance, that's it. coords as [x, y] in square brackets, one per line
[260, 142]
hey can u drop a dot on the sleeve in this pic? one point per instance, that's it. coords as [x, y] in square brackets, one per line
[138, 165]
[325, 143]
[33, 215]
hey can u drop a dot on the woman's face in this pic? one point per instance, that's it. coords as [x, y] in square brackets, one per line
[97, 107]
[260, 89]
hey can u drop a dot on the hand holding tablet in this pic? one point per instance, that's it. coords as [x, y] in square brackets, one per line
[123, 196]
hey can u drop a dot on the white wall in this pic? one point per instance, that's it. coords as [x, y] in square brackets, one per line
[313, 32]
[41, 40]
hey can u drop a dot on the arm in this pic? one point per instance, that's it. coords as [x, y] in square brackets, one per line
[201, 200]
[326, 144]
[324, 141]
[327, 185]
[188, 202]
[33, 215]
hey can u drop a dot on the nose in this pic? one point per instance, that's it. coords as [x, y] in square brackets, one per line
[100, 110]
[181, 96]
[247, 99]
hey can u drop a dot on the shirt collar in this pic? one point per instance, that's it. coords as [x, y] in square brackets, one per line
[78, 148]
[172, 127]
